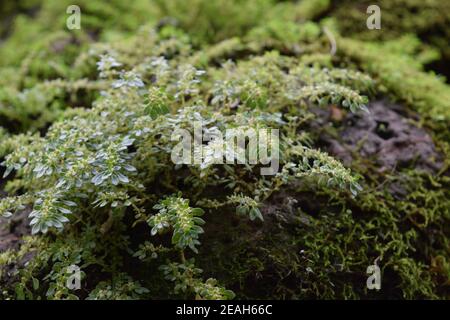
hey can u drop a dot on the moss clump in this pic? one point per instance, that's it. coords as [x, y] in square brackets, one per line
[428, 20]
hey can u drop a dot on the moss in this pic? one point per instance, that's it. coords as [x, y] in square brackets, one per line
[402, 76]
[428, 20]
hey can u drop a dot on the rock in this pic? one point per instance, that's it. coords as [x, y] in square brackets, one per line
[385, 135]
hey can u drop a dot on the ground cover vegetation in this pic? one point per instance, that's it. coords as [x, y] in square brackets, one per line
[87, 118]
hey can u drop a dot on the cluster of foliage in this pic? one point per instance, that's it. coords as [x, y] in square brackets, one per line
[88, 119]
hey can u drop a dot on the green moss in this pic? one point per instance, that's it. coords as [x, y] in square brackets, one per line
[401, 76]
[427, 19]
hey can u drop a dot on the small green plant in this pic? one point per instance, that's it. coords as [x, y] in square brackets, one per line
[97, 164]
[185, 277]
[175, 213]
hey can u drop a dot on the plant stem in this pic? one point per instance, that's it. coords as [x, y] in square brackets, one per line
[182, 257]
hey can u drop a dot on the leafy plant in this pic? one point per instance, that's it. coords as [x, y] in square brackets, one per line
[175, 213]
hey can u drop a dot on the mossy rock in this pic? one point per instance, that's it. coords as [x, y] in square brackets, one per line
[88, 118]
